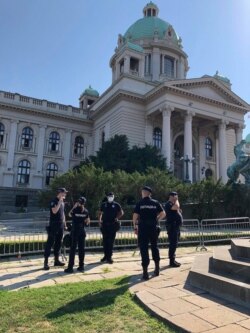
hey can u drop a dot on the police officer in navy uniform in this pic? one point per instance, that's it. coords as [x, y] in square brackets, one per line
[174, 221]
[109, 214]
[80, 218]
[146, 215]
[57, 223]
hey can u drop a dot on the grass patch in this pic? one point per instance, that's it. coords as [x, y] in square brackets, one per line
[95, 307]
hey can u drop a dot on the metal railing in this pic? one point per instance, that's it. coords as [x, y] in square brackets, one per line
[221, 230]
[29, 236]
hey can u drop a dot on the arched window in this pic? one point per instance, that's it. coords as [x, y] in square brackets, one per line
[27, 137]
[1, 133]
[208, 148]
[51, 172]
[54, 140]
[23, 174]
[208, 173]
[79, 146]
[157, 137]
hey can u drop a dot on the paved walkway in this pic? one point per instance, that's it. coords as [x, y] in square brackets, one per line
[168, 296]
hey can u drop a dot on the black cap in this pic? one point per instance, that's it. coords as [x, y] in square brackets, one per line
[147, 188]
[173, 193]
[110, 194]
[61, 190]
[82, 200]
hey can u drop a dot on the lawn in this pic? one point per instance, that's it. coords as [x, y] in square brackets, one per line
[93, 307]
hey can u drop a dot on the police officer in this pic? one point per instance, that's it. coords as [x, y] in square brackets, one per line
[146, 215]
[57, 223]
[109, 214]
[80, 218]
[173, 223]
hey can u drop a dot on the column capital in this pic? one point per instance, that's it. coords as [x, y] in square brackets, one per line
[189, 115]
[166, 109]
[223, 124]
[240, 127]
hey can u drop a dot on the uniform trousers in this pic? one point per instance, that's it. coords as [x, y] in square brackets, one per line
[173, 237]
[55, 235]
[148, 234]
[108, 234]
[78, 236]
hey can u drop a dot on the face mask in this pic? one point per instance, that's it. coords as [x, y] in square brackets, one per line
[110, 199]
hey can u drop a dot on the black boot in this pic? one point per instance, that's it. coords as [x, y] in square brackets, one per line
[80, 268]
[46, 264]
[173, 263]
[69, 270]
[145, 273]
[157, 269]
[58, 262]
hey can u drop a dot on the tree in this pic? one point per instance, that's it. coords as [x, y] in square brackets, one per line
[116, 155]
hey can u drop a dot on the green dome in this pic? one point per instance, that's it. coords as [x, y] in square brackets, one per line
[151, 26]
[91, 92]
[147, 27]
[247, 139]
[222, 78]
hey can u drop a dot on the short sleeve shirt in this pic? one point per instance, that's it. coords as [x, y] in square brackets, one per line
[172, 215]
[110, 211]
[59, 216]
[79, 216]
[148, 209]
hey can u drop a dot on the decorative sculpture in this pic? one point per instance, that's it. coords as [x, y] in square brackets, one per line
[241, 165]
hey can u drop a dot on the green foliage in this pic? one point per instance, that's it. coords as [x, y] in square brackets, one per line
[115, 154]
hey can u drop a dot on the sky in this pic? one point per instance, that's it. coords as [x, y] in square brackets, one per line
[55, 49]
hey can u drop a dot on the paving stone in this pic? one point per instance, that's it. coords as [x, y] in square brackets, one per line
[147, 297]
[245, 323]
[167, 293]
[205, 300]
[176, 306]
[191, 323]
[233, 328]
[219, 316]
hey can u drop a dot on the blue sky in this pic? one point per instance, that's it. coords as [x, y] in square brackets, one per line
[54, 49]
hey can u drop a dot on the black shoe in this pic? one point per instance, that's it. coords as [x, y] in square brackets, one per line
[80, 269]
[104, 259]
[110, 261]
[157, 269]
[59, 263]
[145, 275]
[174, 264]
[69, 270]
[46, 265]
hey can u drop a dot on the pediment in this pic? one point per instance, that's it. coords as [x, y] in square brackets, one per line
[210, 88]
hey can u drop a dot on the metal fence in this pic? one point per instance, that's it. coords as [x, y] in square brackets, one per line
[29, 236]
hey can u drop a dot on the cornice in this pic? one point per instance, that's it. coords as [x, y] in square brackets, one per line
[118, 96]
[39, 112]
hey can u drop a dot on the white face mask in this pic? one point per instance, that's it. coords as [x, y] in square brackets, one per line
[110, 199]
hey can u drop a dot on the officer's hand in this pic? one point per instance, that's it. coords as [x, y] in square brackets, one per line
[136, 231]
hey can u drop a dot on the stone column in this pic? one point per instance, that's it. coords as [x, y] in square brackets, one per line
[8, 178]
[166, 133]
[38, 176]
[222, 152]
[238, 133]
[188, 143]
[149, 132]
[66, 151]
[155, 64]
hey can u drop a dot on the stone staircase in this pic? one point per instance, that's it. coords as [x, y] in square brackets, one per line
[225, 274]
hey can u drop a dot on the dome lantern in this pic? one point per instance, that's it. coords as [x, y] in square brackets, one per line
[150, 10]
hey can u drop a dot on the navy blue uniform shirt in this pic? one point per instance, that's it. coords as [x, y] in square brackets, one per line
[59, 216]
[172, 215]
[110, 211]
[79, 216]
[148, 209]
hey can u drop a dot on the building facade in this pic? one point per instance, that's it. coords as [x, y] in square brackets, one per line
[195, 122]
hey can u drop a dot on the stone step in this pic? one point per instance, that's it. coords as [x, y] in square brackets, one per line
[222, 263]
[241, 248]
[200, 276]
